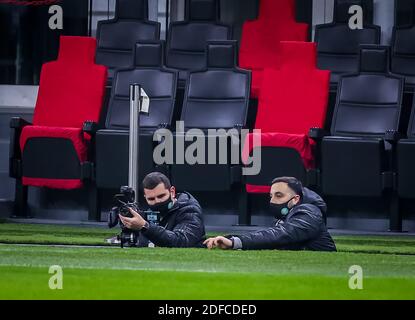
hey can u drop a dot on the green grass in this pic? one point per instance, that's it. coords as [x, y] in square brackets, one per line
[159, 273]
[53, 234]
[376, 244]
[57, 234]
[112, 273]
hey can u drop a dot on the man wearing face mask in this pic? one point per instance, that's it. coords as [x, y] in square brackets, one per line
[299, 222]
[181, 221]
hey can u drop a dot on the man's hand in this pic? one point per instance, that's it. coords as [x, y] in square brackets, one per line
[218, 242]
[134, 223]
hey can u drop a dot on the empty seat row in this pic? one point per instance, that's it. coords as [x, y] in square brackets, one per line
[68, 150]
[216, 97]
[337, 44]
[186, 43]
[65, 149]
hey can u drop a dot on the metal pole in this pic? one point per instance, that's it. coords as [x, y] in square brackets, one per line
[90, 18]
[167, 18]
[135, 108]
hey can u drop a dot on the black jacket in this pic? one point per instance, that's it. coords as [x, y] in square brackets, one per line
[182, 227]
[302, 229]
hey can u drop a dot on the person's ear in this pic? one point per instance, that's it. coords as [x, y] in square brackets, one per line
[296, 199]
[173, 192]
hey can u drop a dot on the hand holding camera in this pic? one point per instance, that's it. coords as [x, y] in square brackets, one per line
[136, 222]
[131, 219]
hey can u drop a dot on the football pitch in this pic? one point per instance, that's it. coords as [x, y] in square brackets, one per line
[91, 270]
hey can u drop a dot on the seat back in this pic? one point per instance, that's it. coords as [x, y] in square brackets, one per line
[159, 83]
[218, 96]
[187, 40]
[72, 88]
[202, 10]
[338, 45]
[404, 13]
[294, 98]
[132, 9]
[117, 37]
[368, 103]
[260, 41]
[403, 50]
[285, 9]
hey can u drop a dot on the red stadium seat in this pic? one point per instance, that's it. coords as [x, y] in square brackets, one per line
[293, 100]
[55, 149]
[260, 42]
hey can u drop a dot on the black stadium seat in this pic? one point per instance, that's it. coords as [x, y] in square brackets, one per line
[187, 40]
[406, 161]
[404, 13]
[215, 98]
[403, 54]
[355, 158]
[117, 37]
[338, 45]
[112, 143]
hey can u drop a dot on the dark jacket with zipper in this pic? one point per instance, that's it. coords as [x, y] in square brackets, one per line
[302, 229]
[182, 227]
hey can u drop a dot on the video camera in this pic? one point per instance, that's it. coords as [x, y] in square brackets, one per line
[123, 202]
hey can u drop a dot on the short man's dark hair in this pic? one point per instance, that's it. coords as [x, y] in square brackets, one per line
[293, 183]
[153, 179]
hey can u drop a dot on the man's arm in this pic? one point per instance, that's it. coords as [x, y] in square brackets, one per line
[187, 233]
[301, 227]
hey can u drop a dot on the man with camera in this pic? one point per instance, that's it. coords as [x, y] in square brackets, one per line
[299, 222]
[180, 222]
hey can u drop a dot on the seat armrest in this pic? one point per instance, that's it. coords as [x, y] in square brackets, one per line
[164, 126]
[90, 127]
[239, 126]
[317, 133]
[393, 136]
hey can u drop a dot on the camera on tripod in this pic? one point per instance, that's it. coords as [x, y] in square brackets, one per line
[124, 201]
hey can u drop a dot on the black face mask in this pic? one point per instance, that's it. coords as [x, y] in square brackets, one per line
[162, 207]
[280, 210]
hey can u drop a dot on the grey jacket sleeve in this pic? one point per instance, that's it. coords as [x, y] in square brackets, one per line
[302, 226]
